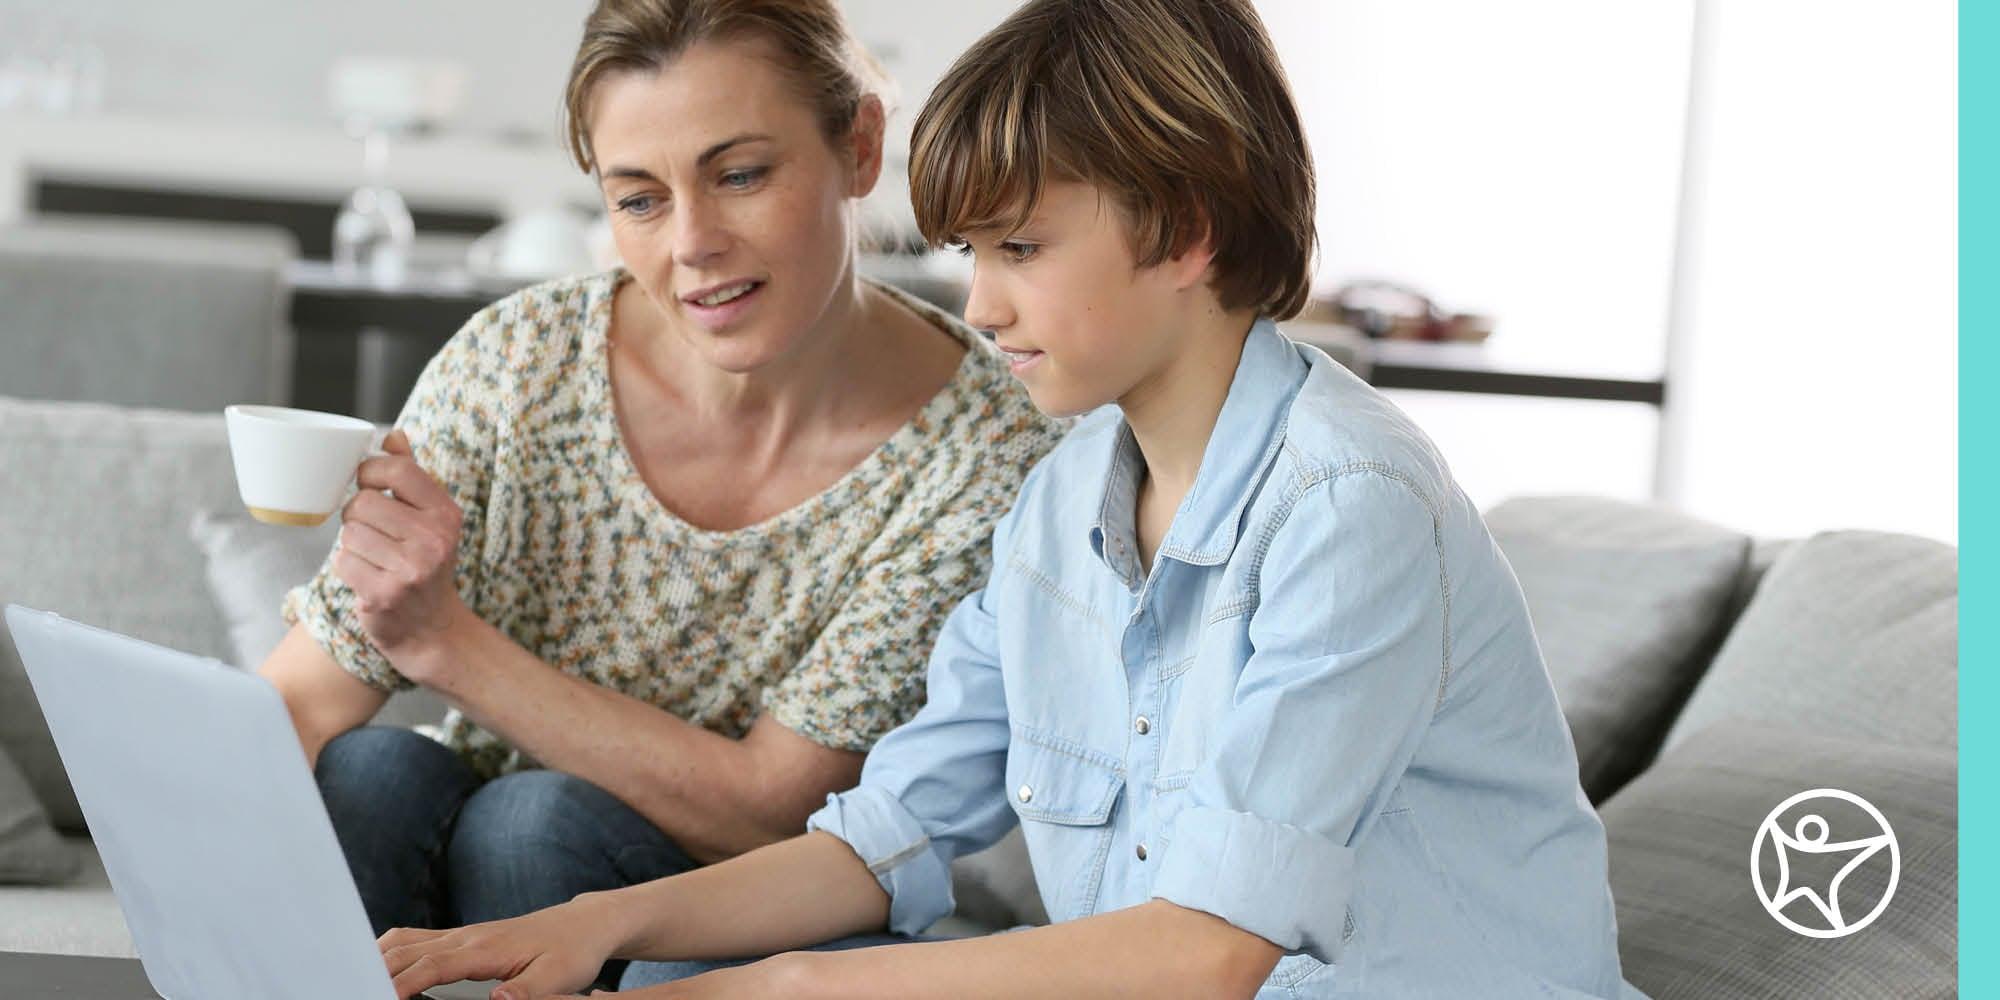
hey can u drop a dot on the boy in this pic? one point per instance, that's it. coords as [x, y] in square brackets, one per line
[1249, 670]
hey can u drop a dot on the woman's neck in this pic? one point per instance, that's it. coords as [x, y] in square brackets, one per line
[794, 391]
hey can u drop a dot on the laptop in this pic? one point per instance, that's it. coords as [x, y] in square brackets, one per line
[209, 822]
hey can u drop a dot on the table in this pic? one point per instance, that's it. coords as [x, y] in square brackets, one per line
[1401, 364]
[361, 345]
[339, 367]
[93, 977]
[72, 977]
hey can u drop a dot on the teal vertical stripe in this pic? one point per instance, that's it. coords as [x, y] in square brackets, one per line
[1979, 564]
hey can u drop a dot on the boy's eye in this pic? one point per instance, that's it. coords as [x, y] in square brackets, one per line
[959, 247]
[1017, 252]
[741, 180]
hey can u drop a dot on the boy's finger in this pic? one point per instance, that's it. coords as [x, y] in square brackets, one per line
[538, 981]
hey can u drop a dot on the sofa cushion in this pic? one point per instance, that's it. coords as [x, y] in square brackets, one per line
[994, 889]
[250, 566]
[1627, 601]
[80, 917]
[176, 314]
[1851, 632]
[30, 851]
[95, 528]
[1690, 921]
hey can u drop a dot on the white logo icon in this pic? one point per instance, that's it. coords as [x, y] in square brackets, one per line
[1809, 837]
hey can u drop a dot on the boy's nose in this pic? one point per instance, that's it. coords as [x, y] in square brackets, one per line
[983, 309]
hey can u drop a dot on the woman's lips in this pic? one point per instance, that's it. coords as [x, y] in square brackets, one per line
[723, 314]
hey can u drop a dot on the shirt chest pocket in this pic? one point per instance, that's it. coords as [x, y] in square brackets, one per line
[1065, 795]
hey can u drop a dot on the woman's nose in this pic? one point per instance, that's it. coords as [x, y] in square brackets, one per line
[700, 235]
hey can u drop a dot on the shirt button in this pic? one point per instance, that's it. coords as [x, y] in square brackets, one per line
[1026, 794]
[1142, 852]
[1142, 726]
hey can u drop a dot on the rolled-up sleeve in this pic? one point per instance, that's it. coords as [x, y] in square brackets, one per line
[931, 789]
[1348, 660]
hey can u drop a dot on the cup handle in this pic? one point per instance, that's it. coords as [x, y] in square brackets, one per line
[375, 449]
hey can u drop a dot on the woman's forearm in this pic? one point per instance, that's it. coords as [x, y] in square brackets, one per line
[323, 700]
[706, 791]
[1156, 949]
[789, 895]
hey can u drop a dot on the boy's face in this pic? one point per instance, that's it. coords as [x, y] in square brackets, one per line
[1081, 323]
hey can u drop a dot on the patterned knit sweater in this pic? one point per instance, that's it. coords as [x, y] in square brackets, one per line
[822, 616]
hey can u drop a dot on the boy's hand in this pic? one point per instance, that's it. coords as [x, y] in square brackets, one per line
[785, 975]
[545, 953]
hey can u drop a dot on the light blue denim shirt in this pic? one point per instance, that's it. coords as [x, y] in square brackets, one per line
[1322, 715]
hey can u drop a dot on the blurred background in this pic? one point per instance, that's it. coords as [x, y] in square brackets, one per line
[1699, 253]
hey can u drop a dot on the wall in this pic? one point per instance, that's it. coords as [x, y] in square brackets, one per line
[253, 59]
[240, 61]
[1520, 160]
[1523, 159]
[1476, 149]
[1817, 347]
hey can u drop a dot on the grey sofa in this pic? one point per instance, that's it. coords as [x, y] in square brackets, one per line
[184, 315]
[1706, 677]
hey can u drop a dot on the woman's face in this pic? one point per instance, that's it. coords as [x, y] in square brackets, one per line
[729, 205]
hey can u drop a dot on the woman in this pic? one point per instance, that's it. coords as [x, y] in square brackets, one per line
[681, 534]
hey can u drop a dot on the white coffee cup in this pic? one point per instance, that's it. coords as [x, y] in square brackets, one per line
[294, 466]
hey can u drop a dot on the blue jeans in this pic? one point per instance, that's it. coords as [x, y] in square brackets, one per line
[431, 846]
[653, 973]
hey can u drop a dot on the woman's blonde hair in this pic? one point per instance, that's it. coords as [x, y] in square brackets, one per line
[1176, 108]
[830, 70]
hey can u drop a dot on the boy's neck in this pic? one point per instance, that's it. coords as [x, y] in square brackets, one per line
[1173, 411]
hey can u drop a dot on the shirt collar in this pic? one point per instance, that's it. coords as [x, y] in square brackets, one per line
[1246, 438]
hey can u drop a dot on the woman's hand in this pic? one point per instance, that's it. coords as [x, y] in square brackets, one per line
[539, 955]
[399, 551]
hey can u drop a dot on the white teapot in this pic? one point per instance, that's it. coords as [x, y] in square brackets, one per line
[543, 243]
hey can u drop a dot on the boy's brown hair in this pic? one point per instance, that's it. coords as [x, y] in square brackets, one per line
[1178, 109]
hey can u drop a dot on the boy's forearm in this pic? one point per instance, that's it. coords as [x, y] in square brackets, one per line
[789, 895]
[1155, 949]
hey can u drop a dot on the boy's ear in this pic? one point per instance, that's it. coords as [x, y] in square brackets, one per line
[1189, 266]
[865, 145]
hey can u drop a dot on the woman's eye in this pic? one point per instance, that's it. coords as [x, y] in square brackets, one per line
[741, 180]
[638, 204]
